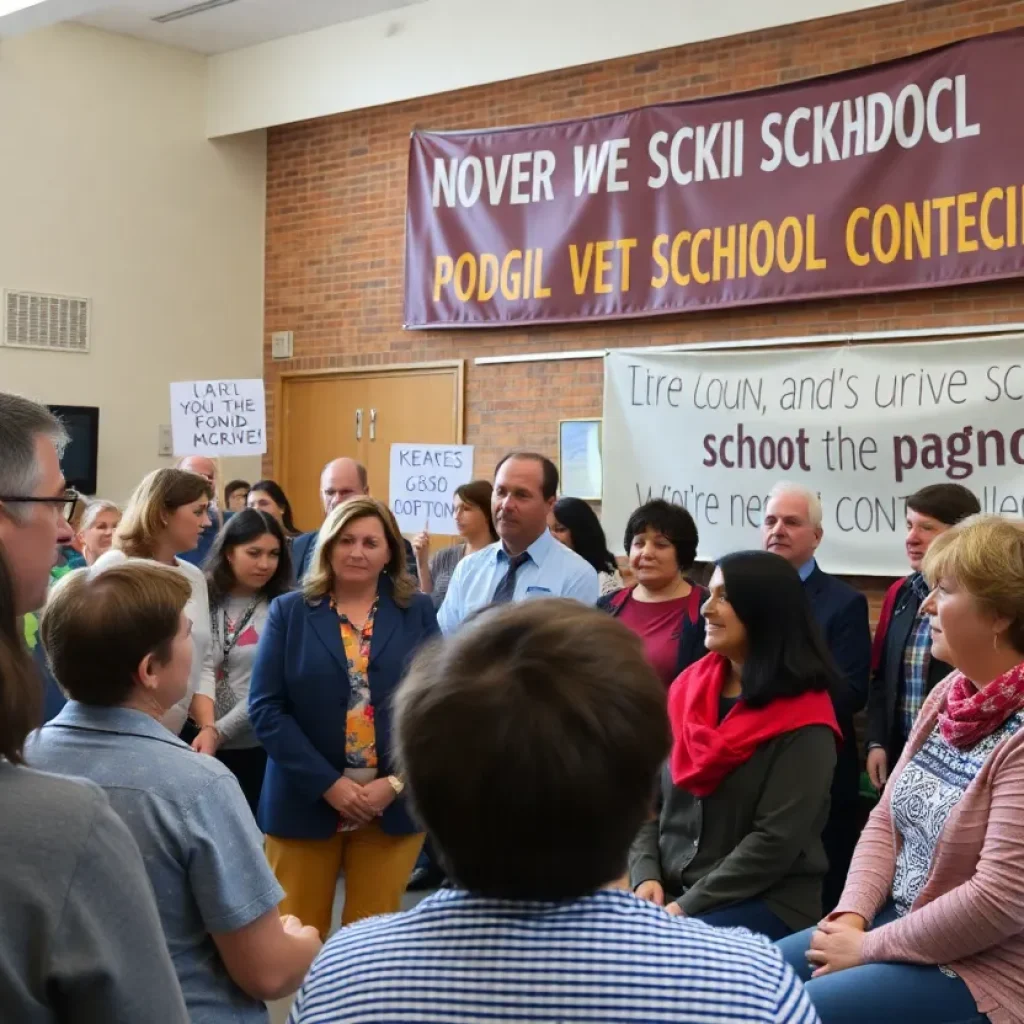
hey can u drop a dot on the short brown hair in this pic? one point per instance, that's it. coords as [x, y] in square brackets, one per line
[97, 627]
[548, 471]
[532, 742]
[319, 580]
[162, 492]
[985, 555]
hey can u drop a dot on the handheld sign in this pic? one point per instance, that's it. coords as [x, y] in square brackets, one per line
[218, 417]
[423, 482]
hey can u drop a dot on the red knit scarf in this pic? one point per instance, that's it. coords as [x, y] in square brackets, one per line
[971, 714]
[704, 750]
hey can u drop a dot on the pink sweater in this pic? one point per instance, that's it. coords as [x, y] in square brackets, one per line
[970, 914]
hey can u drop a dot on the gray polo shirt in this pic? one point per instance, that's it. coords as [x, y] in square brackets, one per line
[201, 847]
[80, 938]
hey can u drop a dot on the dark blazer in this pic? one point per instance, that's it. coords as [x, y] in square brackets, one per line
[691, 631]
[304, 545]
[883, 726]
[757, 836]
[298, 701]
[842, 614]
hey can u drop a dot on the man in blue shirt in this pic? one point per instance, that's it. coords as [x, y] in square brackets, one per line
[792, 528]
[527, 561]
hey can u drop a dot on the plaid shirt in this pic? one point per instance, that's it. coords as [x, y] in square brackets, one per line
[916, 658]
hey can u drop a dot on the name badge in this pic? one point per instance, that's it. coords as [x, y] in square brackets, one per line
[538, 591]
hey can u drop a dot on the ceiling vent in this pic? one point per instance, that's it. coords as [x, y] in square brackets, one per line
[56, 323]
[187, 12]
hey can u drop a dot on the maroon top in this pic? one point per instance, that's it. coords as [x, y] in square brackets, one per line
[659, 625]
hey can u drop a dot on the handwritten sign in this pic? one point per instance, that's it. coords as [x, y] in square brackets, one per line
[423, 482]
[218, 417]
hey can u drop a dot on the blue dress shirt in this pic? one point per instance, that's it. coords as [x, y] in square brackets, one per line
[806, 569]
[552, 570]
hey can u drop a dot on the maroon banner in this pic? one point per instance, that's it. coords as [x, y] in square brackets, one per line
[903, 175]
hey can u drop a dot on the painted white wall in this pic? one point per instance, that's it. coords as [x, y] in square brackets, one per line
[110, 190]
[446, 45]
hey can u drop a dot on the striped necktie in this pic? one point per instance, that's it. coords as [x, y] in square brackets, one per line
[506, 588]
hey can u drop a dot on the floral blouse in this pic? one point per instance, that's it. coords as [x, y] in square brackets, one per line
[360, 733]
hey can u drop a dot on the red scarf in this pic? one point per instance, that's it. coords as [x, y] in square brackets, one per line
[971, 714]
[705, 750]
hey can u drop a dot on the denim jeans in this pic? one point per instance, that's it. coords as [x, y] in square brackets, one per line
[883, 993]
[752, 914]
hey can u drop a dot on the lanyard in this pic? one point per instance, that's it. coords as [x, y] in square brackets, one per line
[231, 636]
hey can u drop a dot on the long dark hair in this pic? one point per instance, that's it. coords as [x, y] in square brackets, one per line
[274, 489]
[588, 539]
[786, 654]
[21, 689]
[243, 528]
[478, 494]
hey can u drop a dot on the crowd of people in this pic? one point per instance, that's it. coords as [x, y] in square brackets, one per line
[616, 764]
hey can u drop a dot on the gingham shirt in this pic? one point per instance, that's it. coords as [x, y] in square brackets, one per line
[457, 958]
[917, 656]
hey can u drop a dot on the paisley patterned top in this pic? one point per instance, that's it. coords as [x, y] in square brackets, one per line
[360, 733]
[926, 792]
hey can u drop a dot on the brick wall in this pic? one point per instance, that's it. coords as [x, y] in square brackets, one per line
[336, 207]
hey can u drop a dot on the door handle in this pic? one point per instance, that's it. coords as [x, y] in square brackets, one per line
[373, 424]
[359, 424]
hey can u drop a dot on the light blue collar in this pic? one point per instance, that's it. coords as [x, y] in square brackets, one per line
[806, 569]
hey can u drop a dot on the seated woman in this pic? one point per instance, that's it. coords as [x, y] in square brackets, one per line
[118, 640]
[475, 524]
[745, 792]
[327, 667]
[575, 524]
[930, 926]
[663, 606]
[247, 568]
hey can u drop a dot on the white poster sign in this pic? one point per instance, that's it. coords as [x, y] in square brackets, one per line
[218, 417]
[423, 482]
[864, 426]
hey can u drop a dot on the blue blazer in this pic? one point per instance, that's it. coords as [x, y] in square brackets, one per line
[304, 545]
[842, 614]
[298, 702]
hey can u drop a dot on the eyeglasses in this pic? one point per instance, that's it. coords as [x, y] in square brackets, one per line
[67, 502]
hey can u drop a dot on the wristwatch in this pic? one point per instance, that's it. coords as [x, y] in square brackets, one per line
[396, 784]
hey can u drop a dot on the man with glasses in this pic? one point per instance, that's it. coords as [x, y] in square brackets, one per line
[35, 505]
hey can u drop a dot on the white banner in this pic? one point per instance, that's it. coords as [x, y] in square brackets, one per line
[864, 426]
[218, 417]
[423, 482]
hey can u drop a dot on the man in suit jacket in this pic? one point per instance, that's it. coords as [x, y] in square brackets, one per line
[792, 528]
[340, 480]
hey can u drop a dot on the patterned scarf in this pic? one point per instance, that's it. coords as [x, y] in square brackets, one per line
[971, 714]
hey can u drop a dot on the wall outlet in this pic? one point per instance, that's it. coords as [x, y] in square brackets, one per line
[165, 443]
[282, 344]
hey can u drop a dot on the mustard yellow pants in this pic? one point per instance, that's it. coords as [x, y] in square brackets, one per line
[376, 867]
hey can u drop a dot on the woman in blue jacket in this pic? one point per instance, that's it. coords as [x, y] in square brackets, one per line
[330, 659]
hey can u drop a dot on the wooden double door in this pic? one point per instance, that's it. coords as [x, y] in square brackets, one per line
[329, 415]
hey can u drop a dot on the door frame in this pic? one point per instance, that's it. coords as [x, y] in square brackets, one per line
[379, 370]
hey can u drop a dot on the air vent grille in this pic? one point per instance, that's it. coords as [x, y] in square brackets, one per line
[53, 322]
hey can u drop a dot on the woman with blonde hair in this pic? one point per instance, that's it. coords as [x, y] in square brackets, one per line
[167, 514]
[118, 641]
[95, 533]
[930, 926]
[328, 664]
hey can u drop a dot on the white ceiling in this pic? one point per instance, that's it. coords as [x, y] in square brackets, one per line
[234, 25]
